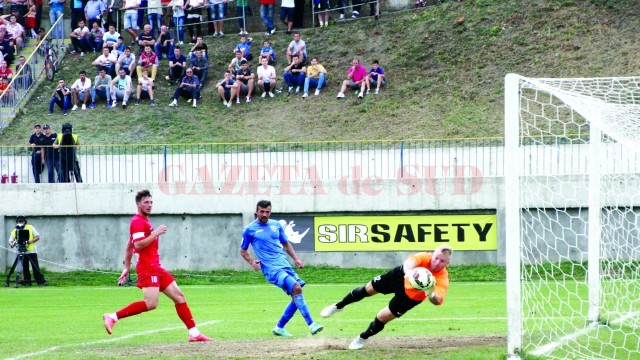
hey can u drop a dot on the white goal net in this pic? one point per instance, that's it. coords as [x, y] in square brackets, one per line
[572, 215]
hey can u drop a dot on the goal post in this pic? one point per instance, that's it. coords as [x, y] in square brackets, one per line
[572, 216]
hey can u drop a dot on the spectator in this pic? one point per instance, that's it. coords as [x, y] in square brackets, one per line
[165, 43]
[297, 47]
[217, 13]
[227, 89]
[5, 70]
[266, 77]
[6, 48]
[121, 89]
[101, 88]
[15, 29]
[376, 77]
[194, 15]
[110, 39]
[62, 97]
[56, 8]
[96, 37]
[242, 11]
[130, 8]
[68, 143]
[246, 80]
[37, 160]
[51, 155]
[31, 255]
[357, 5]
[148, 60]
[94, 11]
[24, 78]
[235, 62]
[245, 47]
[106, 61]
[294, 74]
[178, 7]
[188, 88]
[316, 74]
[356, 79]
[267, 50]
[81, 90]
[80, 39]
[200, 45]
[322, 9]
[146, 38]
[177, 65]
[30, 19]
[154, 15]
[200, 67]
[267, 7]
[77, 12]
[299, 14]
[7, 92]
[287, 11]
[118, 48]
[126, 61]
[145, 88]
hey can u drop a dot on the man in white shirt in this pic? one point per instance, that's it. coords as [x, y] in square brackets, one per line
[81, 89]
[106, 61]
[110, 38]
[266, 77]
[121, 89]
[80, 39]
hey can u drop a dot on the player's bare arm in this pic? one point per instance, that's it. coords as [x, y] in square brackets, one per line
[255, 263]
[128, 253]
[289, 249]
[141, 244]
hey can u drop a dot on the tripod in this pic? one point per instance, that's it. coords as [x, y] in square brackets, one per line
[18, 266]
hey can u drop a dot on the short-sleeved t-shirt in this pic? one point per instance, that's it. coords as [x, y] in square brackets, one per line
[267, 240]
[374, 73]
[359, 73]
[266, 74]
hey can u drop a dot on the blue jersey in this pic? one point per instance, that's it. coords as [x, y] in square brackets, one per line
[267, 240]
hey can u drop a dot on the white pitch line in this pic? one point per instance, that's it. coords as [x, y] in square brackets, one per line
[149, 332]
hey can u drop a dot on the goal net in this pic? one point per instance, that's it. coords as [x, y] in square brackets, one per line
[572, 217]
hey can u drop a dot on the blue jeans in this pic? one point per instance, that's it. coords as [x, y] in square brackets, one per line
[294, 79]
[96, 44]
[164, 49]
[57, 33]
[179, 22]
[53, 164]
[188, 93]
[155, 20]
[314, 82]
[103, 93]
[266, 13]
[63, 105]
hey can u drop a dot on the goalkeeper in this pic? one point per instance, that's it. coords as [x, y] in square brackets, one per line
[406, 297]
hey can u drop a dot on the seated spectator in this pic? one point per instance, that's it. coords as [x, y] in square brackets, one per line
[376, 77]
[6, 47]
[101, 88]
[80, 39]
[7, 93]
[227, 89]
[81, 90]
[61, 96]
[235, 62]
[189, 88]
[267, 50]
[266, 77]
[110, 38]
[120, 89]
[164, 43]
[297, 47]
[148, 60]
[118, 48]
[245, 47]
[177, 65]
[145, 88]
[96, 36]
[316, 74]
[294, 74]
[200, 45]
[15, 29]
[126, 61]
[106, 61]
[246, 80]
[5, 70]
[200, 67]
[146, 38]
[356, 79]
[25, 78]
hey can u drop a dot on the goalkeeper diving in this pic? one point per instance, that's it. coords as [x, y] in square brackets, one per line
[406, 297]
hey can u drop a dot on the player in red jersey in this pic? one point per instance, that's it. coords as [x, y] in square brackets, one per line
[152, 277]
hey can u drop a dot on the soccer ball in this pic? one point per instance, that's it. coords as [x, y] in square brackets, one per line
[421, 279]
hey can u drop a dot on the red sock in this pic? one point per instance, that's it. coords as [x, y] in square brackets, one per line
[185, 315]
[132, 309]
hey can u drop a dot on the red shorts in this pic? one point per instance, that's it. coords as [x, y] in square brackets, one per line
[154, 277]
[30, 23]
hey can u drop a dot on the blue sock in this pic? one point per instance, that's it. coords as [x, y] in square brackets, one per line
[302, 306]
[288, 313]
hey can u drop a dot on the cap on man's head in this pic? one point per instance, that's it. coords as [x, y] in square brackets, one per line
[242, 62]
[46, 126]
[36, 126]
[21, 218]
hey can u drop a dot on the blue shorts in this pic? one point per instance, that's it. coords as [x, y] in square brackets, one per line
[217, 11]
[322, 5]
[287, 13]
[131, 21]
[285, 279]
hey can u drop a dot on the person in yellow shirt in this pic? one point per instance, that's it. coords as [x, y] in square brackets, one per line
[316, 74]
[405, 298]
[30, 255]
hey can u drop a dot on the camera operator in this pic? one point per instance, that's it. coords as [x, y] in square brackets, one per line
[29, 249]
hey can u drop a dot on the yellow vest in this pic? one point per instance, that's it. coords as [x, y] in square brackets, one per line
[29, 228]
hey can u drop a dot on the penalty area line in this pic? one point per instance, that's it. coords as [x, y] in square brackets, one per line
[105, 341]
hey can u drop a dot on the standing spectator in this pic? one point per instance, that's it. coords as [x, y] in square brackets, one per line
[267, 8]
[62, 97]
[200, 45]
[164, 43]
[227, 89]
[217, 14]
[121, 89]
[126, 61]
[148, 60]
[77, 12]
[200, 67]
[177, 65]
[245, 47]
[38, 13]
[80, 39]
[30, 20]
[189, 88]
[31, 256]
[242, 11]
[178, 7]
[194, 15]
[15, 29]
[298, 47]
[287, 11]
[18, 8]
[81, 90]
[106, 61]
[322, 9]
[96, 37]
[266, 77]
[110, 39]
[246, 80]
[299, 14]
[267, 51]
[146, 38]
[67, 143]
[145, 88]
[24, 78]
[356, 79]
[357, 6]
[37, 160]
[376, 77]
[56, 8]
[94, 10]
[316, 74]
[294, 74]
[101, 88]
[51, 157]
[270, 245]
[130, 8]
[154, 16]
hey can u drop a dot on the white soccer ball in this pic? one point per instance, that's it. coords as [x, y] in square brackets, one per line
[421, 279]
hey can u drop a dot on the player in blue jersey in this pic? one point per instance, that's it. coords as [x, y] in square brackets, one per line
[269, 245]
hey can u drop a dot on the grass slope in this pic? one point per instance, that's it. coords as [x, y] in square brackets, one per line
[445, 78]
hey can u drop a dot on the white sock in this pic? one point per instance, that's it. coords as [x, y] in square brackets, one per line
[113, 316]
[194, 331]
